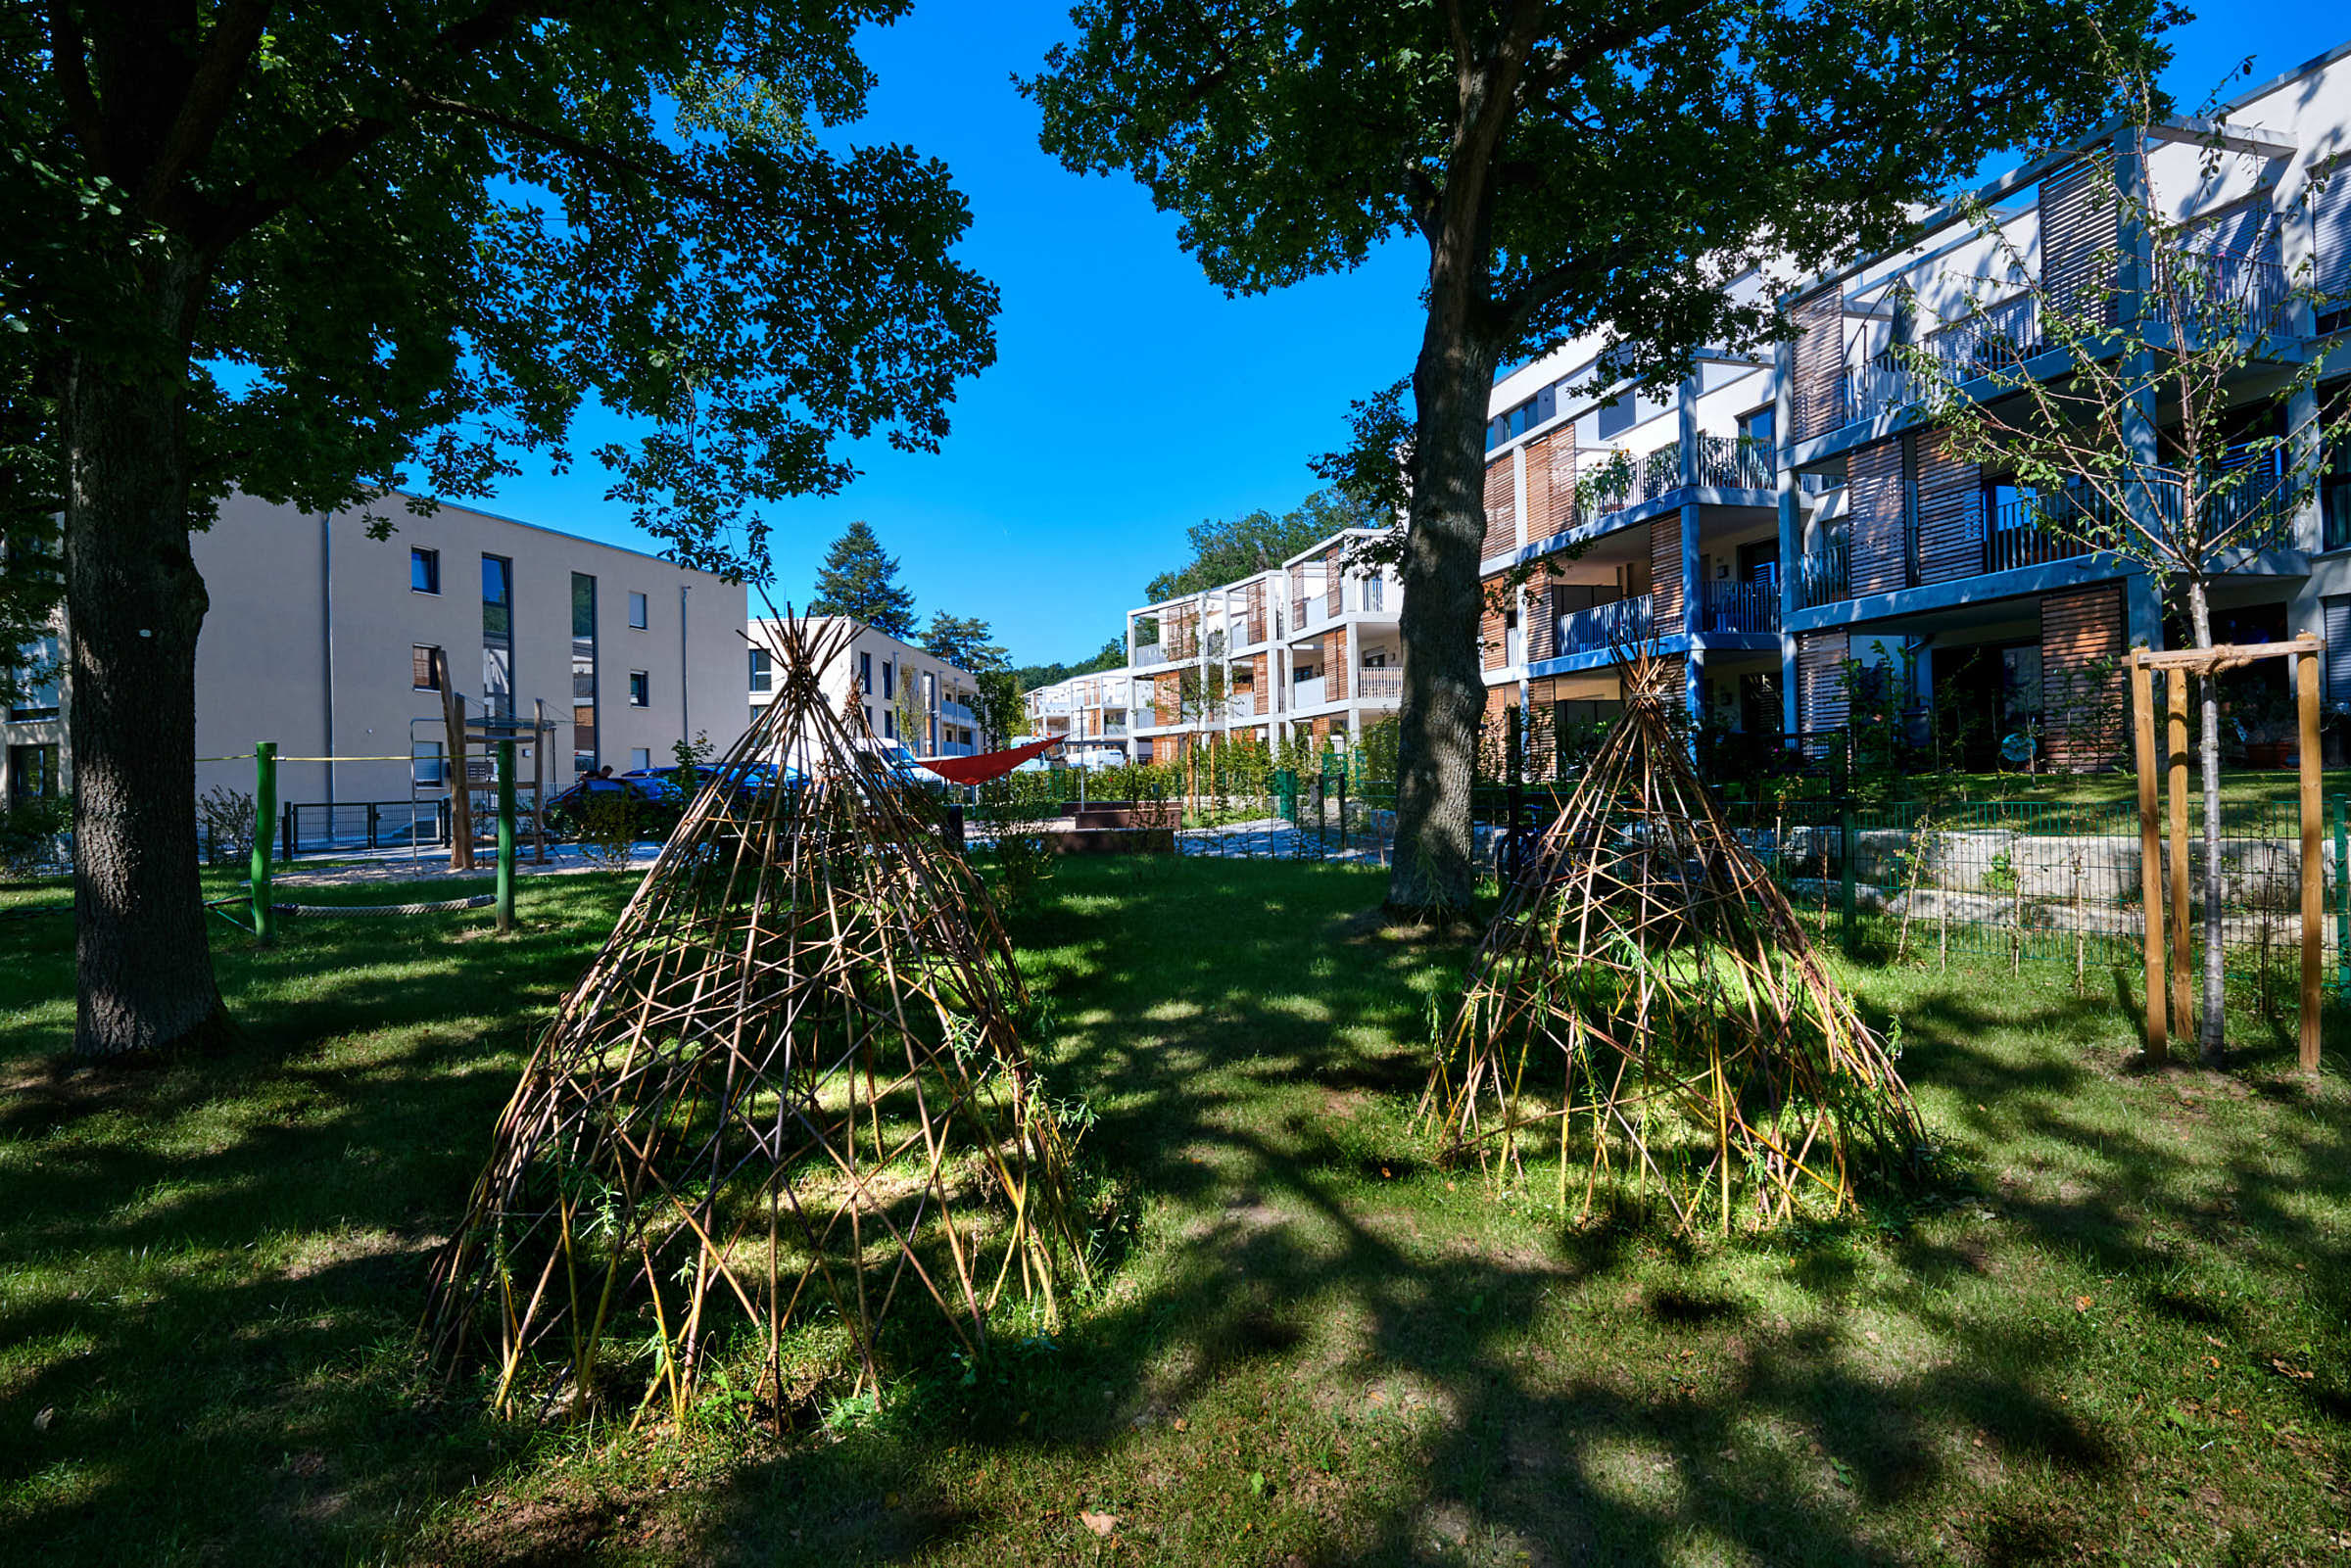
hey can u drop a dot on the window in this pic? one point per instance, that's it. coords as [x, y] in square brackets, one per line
[427, 764]
[869, 716]
[425, 669]
[425, 571]
[585, 745]
[1375, 593]
[1760, 428]
[640, 758]
[890, 681]
[498, 636]
[640, 690]
[40, 658]
[865, 675]
[32, 773]
[762, 670]
[1618, 416]
[2335, 495]
[637, 612]
[890, 718]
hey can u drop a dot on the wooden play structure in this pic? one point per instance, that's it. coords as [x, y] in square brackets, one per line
[789, 1098]
[2176, 666]
[1647, 1006]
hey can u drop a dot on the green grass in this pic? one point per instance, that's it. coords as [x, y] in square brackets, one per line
[2121, 1339]
[2242, 788]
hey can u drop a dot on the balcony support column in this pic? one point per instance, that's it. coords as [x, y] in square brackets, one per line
[2143, 610]
[1685, 409]
[1695, 590]
[1787, 495]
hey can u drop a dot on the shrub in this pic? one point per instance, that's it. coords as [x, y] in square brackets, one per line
[224, 819]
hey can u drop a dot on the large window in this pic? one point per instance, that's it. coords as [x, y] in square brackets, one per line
[498, 636]
[865, 673]
[640, 690]
[2335, 495]
[638, 617]
[890, 681]
[427, 764]
[586, 756]
[425, 668]
[762, 670]
[425, 571]
[32, 773]
[39, 658]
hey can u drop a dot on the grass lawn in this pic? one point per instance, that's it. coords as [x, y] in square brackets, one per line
[2122, 1339]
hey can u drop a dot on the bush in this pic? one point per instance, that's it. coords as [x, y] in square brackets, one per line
[35, 837]
[607, 825]
[224, 822]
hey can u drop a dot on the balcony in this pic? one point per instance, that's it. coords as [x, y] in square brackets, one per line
[957, 713]
[1147, 654]
[1307, 693]
[1750, 607]
[1723, 462]
[1379, 684]
[1825, 576]
[1995, 340]
[1617, 624]
[1114, 729]
[2222, 292]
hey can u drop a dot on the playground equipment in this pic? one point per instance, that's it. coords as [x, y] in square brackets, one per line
[1647, 986]
[790, 1089]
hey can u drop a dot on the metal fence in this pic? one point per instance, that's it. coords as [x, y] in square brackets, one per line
[2019, 881]
[315, 828]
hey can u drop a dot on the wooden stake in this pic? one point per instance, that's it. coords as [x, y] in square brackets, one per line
[2183, 1007]
[2313, 866]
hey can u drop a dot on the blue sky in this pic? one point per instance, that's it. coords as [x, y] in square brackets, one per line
[1129, 398]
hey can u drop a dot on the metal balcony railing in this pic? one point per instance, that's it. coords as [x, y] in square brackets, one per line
[1618, 622]
[1739, 607]
[1149, 654]
[957, 713]
[1736, 462]
[1381, 685]
[2222, 292]
[1825, 576]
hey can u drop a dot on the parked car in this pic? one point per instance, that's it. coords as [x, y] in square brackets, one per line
[566, 813]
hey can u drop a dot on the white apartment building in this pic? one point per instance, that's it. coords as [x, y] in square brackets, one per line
[1310, 648]
[323, 640]
[1092, 713]
[921, 701]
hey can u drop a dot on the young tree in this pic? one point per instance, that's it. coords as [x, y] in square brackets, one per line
[996, 700]
[295, 250]
[963, 641]
[860, 580]
[1570, 169]
[2184, 326]
[1228, 550]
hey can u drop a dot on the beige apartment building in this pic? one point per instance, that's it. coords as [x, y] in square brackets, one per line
[323, 641]
[914, 698]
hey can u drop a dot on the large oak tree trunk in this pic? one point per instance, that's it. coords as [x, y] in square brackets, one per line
[1444, 681]
[134, 604]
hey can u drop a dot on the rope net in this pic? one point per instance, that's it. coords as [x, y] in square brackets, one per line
[788, 1097]
[1647, 1011]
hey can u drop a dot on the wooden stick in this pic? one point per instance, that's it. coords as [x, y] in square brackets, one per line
[2150, 852]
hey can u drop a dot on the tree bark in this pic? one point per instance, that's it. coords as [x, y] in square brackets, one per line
[134, 605]
[2211, 1029]
[1444, 679]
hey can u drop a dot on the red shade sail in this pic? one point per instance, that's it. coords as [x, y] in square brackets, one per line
[987, 764]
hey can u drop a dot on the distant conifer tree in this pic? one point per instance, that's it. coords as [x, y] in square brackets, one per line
[861, 580]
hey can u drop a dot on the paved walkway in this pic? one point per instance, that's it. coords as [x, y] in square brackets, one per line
[399, 866]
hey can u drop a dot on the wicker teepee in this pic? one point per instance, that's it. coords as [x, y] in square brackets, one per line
[788, 1095]
[1647, 1010]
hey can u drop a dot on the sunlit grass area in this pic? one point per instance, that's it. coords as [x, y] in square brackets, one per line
[2118, 1334]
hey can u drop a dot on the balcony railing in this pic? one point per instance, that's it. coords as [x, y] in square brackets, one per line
[1307, 693]
[1113, 728]
[1620, 623]
[1149, 654]
[957, 713]
[1994, 340]
[1379, 684]
[1736, 462]
[2223, 292]
[1825, 576]
[1739, 607]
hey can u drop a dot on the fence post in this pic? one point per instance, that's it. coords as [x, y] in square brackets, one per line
[1342, 808]
[264, 812]
[506, 835]
[1847, 895]
[1514, 807]
[955, 826]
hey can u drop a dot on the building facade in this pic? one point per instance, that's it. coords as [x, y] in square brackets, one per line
[1795, 535]
[911, 697]
[1308, 648]
[333, 644]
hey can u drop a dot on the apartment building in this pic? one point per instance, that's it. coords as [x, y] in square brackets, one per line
[334, 643]
[909, 696]
[1306, 649]
[1092, 713]
[1774, 520]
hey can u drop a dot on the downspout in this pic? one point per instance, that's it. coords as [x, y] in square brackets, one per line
[684, 728]
[326, 631]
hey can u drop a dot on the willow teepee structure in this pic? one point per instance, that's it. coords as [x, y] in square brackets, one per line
[788, 1096]
[1647, 1010]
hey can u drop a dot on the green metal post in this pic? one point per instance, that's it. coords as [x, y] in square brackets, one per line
[1844, 840]
[264, 825]
[506, 835]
